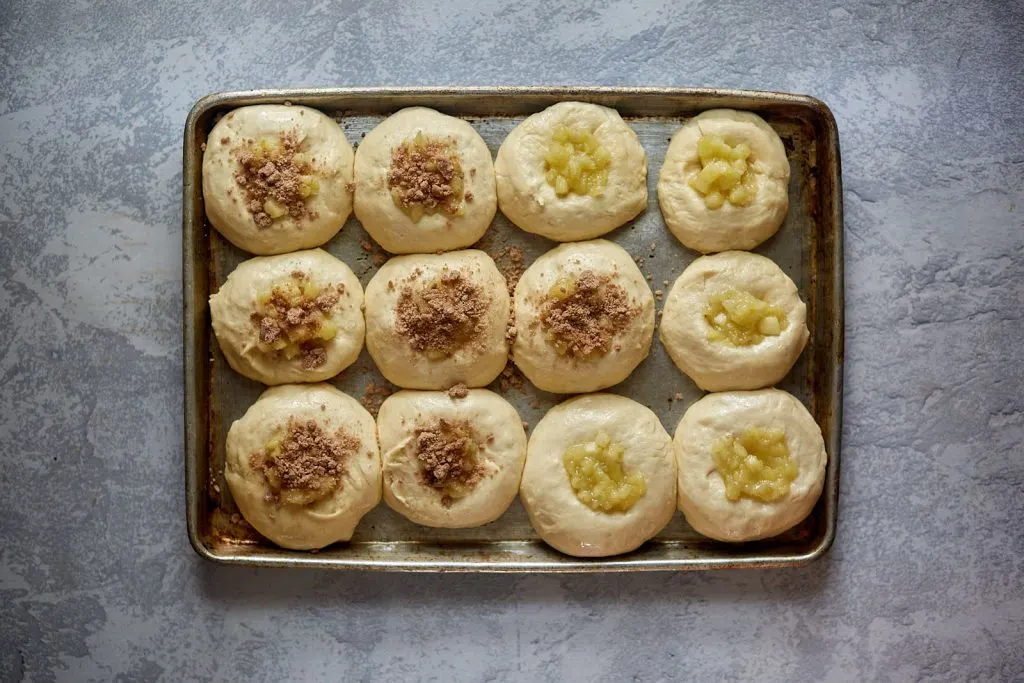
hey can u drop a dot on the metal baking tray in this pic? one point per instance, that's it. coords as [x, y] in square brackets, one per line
[808, 247]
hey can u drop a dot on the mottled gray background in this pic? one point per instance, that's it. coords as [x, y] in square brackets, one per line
[97, 581]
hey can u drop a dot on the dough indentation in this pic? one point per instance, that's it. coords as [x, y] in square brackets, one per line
[440, 316]
[426, 177]
[293, 319]
[305, 463]
[755, 464]
[447, 451]
[598, 478]
[582, 315]
[276, 179]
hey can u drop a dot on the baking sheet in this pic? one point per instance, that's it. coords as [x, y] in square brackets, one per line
[808, 247]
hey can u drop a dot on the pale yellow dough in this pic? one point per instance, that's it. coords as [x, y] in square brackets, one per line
[234, 303]
[476, 363]
[702, 496]
[304, 527]
[530, 202]
[501, 440]
[391, 227]
[537, 357]
[320, 137]
[558, 516]
[729, 227]
[718, 365]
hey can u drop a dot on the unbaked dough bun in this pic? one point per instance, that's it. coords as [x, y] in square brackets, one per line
[451, 459]
[729, 226]
[593, 339]
[435, 320]
[319, 448]
[421, 149]
[255, 314]
[558, 515]
[531, 202]
[702, 496]
[284, 152]
[715, 364]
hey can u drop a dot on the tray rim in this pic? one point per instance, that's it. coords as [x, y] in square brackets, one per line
[192, 222]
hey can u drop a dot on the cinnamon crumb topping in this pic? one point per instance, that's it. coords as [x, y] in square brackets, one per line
[511, 331]
[313, 358]
[442, 315]
[511, 377]
[447, 450]
[306, 463]
[275, 179]
[510, 263]
[585, 322]
[374, 395]
[426, 177]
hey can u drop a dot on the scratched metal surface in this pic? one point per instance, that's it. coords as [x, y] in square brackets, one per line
[807, 247]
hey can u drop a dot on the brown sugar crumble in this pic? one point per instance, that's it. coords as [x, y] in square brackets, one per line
[292, 319]
[306, 463]
[275, 179]
[511, 331]
[447, 452]
[511, 377]
[442, 315]
[425, 176]
[511, 265]
[460, 390]
[585, 322]
[374, 395]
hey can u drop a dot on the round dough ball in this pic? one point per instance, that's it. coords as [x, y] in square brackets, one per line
[558, 516]
[719, 365]
[529, 201]
[728, 227]
[602, 333]
[435, 320]
[432, 475]
[310, 144]
[384, 166]
[248, 328]
[343, 439]
[702, 496]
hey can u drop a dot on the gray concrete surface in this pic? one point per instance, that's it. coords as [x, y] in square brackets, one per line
[97, 581]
